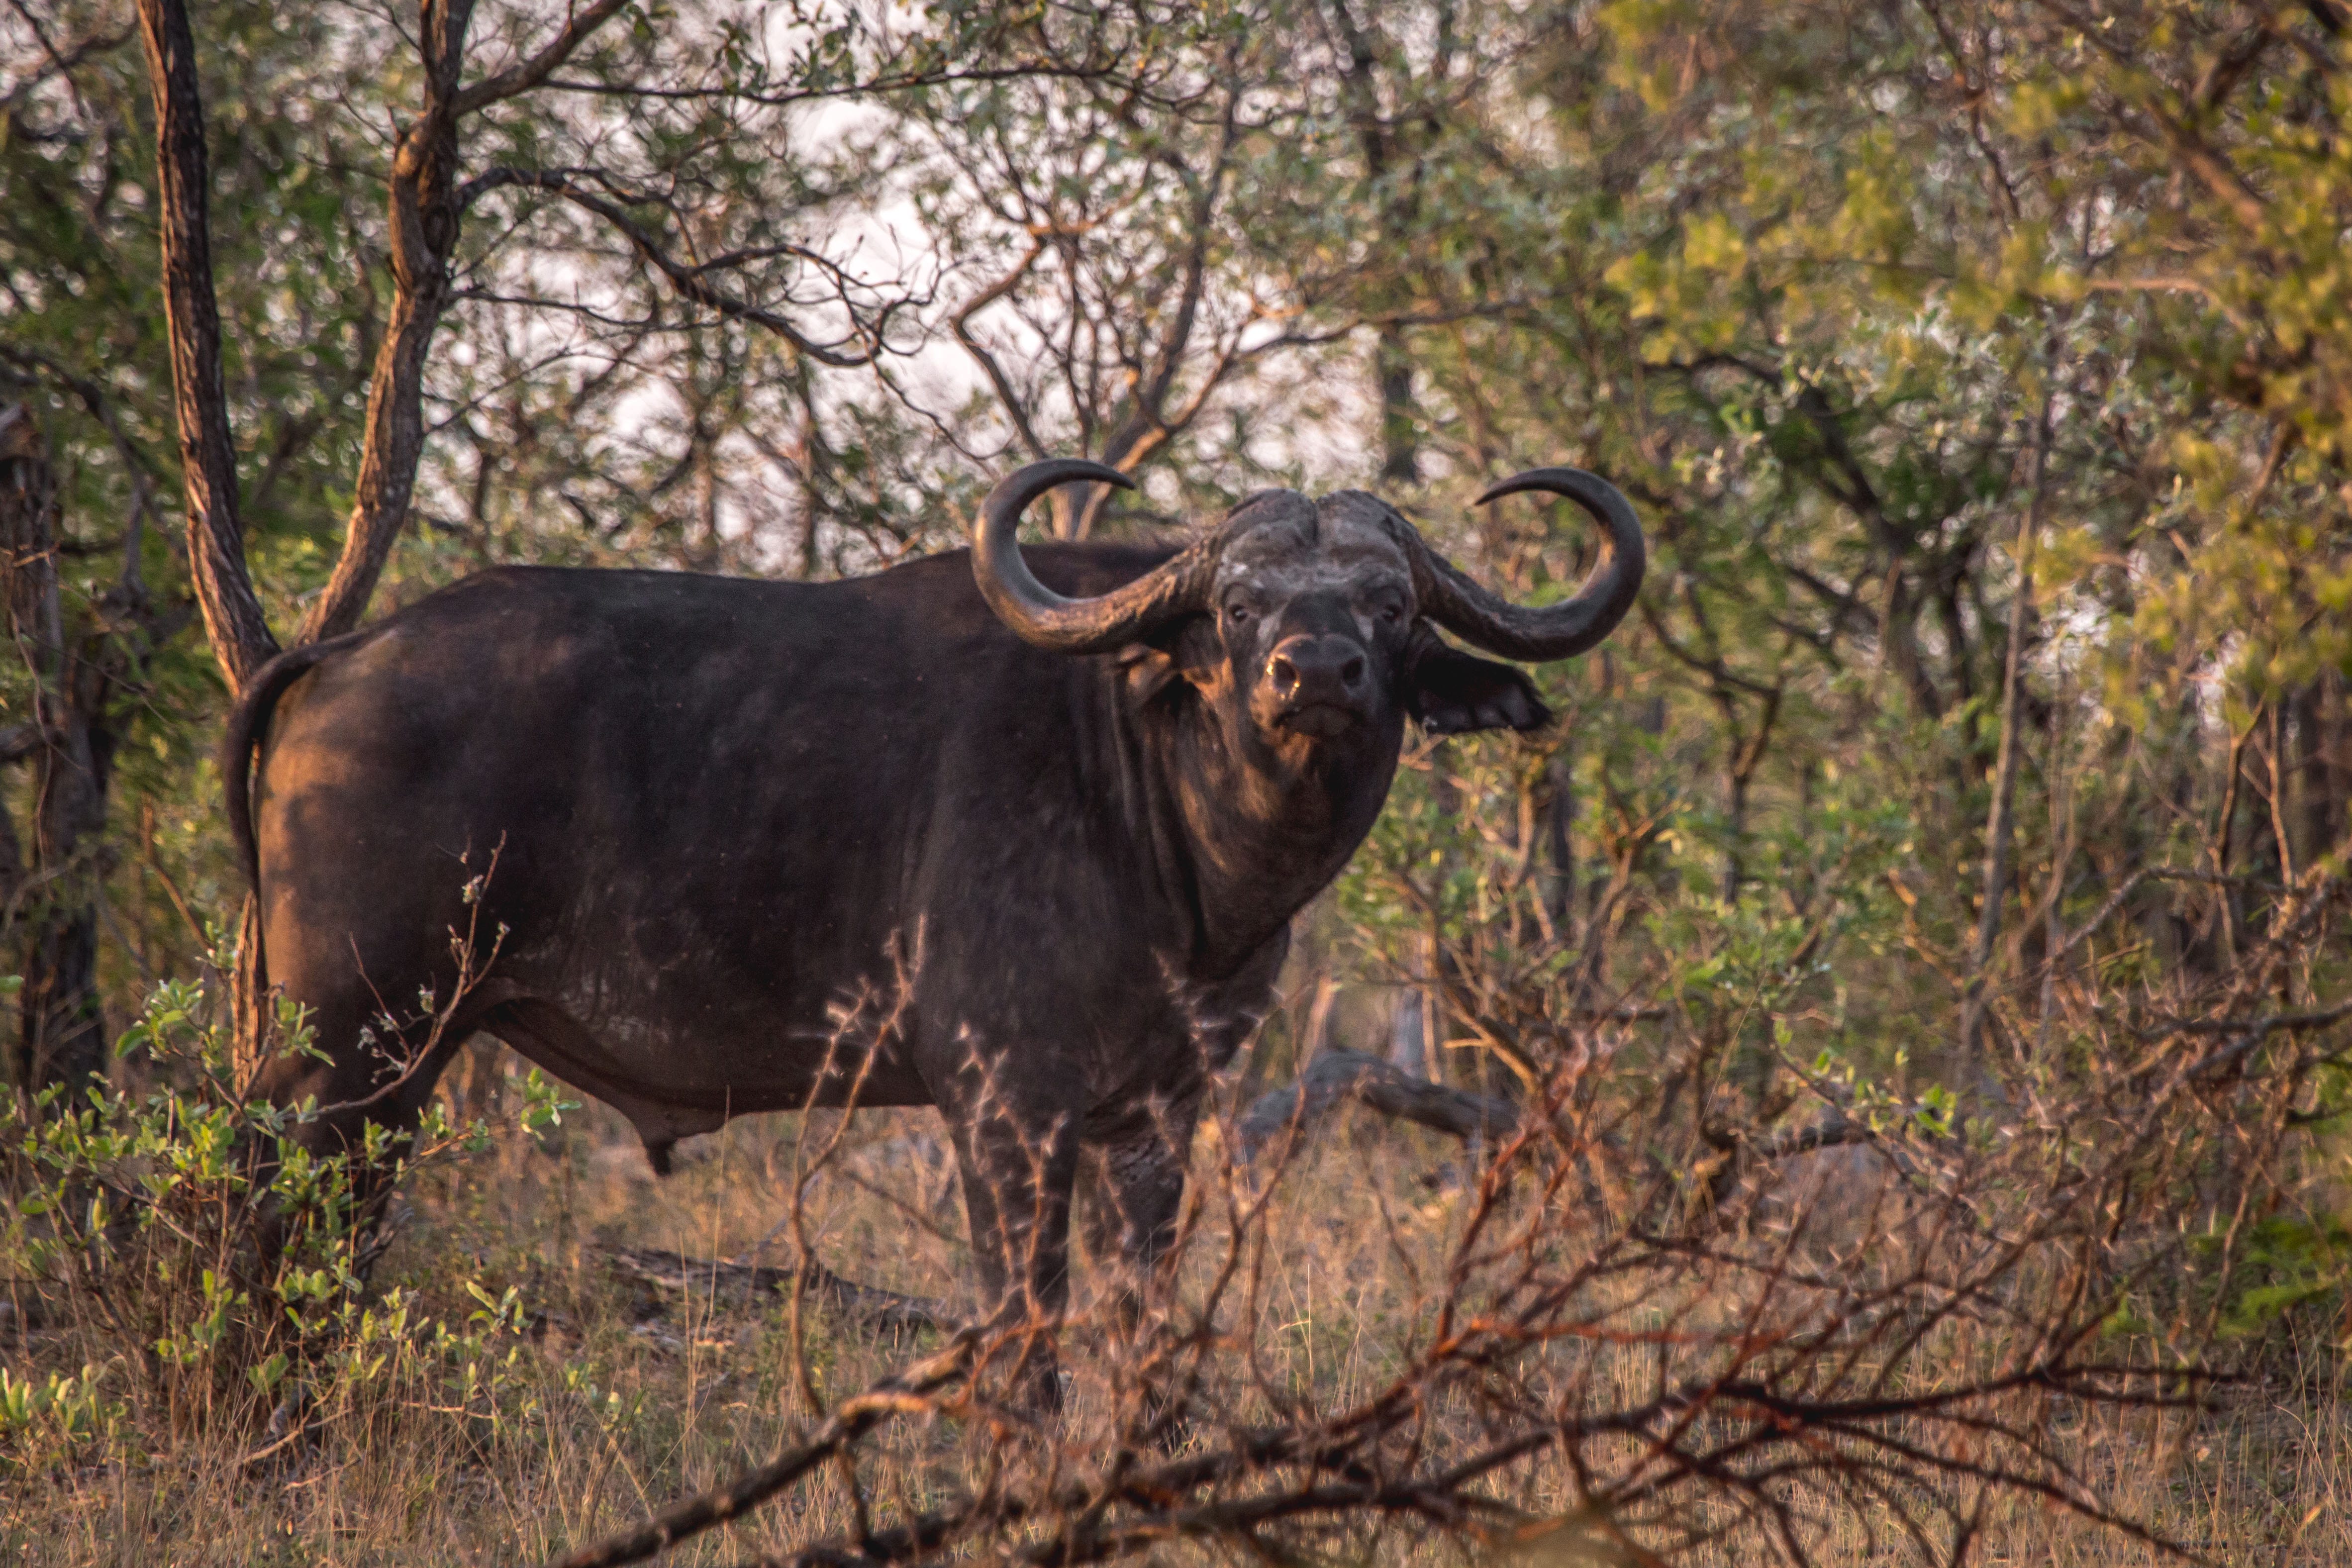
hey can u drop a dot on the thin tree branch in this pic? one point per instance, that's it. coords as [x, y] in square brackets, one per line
[520, 78]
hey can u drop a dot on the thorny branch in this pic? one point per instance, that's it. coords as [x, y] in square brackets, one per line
[1897, 1340]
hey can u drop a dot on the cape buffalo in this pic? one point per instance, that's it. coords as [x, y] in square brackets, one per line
[1048, 831]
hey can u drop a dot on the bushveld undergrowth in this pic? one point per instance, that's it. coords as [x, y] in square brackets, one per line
[1722, 1293]
[135, 1239]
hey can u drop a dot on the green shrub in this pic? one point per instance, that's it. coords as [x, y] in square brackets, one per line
[135, 1222]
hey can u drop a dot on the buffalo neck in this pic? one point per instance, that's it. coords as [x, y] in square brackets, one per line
[1247, 837]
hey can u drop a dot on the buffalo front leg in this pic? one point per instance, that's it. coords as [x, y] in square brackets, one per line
[1138, 1194]
[1018, 1166]
[1137, 1197]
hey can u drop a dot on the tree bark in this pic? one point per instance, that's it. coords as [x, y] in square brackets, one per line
[2323, 766]
[61, 1036]
[234, 623]
[1400, 451]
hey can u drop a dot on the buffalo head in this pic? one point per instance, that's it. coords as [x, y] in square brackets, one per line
[1310, 625]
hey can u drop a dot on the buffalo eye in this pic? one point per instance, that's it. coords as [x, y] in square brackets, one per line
[1392, 612]
[1238, 613]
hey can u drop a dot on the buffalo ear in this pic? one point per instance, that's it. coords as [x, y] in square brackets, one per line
[1147, 671]
[1452, 692]
[1188, 654]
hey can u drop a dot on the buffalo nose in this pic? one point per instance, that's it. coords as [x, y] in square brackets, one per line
[1307, 668]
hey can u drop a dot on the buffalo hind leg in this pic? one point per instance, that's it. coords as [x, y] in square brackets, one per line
[383, 1077]
[374, 1073]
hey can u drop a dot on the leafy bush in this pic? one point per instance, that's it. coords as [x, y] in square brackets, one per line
[204, 1269]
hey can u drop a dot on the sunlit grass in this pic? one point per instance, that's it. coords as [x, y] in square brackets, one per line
[620, 1398]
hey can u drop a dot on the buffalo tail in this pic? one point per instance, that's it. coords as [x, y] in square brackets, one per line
[248, 721]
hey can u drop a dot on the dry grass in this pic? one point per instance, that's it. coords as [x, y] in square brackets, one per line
[612, 1401]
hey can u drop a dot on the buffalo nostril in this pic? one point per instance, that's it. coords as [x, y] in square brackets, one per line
[1285, 675]
[1352, 671]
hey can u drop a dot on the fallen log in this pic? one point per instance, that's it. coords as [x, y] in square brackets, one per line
[748, 1283]
[1337, 1077]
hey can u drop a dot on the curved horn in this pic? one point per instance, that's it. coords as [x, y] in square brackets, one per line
[1554, 631]
[1042, 617]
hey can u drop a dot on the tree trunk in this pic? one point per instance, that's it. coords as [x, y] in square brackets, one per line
[240, 633]
[61, 1036]
[1400, 451]
[1412, 1047]
[2000, 828]
[2323, 766]
[1384, 147]
[424, 231]
[1560, 843]
[235, 625]
[426, 209]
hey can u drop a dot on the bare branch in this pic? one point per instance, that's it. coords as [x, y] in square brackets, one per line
[578, 25]
[691, 280]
